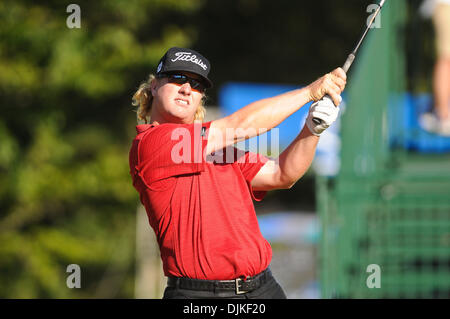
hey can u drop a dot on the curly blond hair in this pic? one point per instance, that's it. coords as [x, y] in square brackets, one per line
[143, 99]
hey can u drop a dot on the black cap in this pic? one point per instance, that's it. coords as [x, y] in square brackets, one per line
[180, 59]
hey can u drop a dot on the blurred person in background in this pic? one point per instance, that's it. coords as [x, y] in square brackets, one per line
[198, 192]
[439, 120]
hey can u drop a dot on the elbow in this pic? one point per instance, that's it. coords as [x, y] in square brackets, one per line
[287, 183]
[290, 185]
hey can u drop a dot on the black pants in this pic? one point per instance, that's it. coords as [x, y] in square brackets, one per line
[269, 290]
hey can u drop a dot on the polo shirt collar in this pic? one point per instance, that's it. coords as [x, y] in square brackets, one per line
[143, 127]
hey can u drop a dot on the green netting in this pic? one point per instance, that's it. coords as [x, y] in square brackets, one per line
[386, 207]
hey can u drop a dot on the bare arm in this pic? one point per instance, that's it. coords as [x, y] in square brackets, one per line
[292, 164]
[255, 119]
[261, 116]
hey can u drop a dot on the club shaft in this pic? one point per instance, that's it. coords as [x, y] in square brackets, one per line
[351, 57]
[369, 26]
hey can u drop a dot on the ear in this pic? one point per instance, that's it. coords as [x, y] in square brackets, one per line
[154, 86]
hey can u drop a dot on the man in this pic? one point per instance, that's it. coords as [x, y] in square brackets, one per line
[198, 189]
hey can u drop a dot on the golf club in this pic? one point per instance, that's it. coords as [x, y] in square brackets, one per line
[351, 56]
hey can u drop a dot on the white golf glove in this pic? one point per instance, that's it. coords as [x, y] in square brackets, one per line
[324, 110]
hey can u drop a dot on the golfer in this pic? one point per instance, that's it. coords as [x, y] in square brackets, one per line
[198, 189]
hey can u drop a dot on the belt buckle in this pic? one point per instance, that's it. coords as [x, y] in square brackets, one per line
[238, 290]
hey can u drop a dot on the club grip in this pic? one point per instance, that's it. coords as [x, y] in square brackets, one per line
[315, 119]
[348, 63]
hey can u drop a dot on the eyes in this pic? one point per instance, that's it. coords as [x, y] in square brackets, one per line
[181, 79]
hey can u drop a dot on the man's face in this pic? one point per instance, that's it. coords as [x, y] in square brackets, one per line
[175, 103]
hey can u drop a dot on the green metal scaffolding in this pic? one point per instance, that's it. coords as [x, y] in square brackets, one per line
[387, 206]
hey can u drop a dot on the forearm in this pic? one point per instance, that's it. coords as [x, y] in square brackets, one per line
[263, 115]
[295, 161]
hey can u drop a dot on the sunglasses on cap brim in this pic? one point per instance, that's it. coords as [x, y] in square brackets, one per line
[180, 79]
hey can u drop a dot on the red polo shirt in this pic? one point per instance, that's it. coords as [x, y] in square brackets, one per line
[200, 209]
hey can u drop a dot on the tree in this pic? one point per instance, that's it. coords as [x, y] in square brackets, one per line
[66, 195]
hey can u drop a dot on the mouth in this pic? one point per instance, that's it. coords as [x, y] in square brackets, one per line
[182, 102]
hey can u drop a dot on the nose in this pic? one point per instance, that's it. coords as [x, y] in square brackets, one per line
[186, 88]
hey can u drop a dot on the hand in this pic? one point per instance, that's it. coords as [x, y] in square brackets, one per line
[331, 84]
[324, 110]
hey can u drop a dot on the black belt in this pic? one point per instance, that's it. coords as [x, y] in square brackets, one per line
[239, 285]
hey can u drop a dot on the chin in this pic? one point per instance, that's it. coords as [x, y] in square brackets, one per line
[180, 118]
[182, 113]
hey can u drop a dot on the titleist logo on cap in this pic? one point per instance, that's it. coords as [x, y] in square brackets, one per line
[188, 56]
